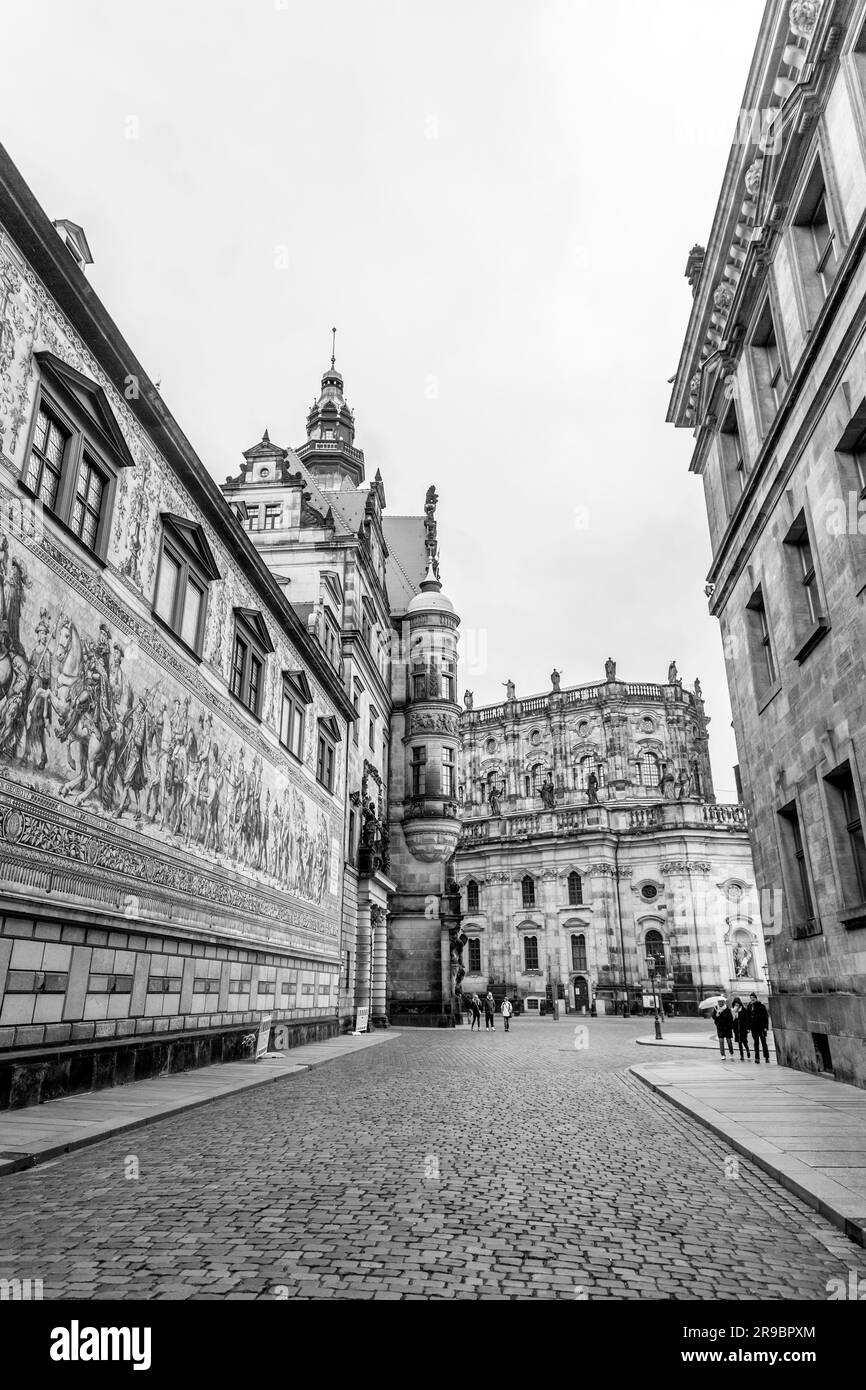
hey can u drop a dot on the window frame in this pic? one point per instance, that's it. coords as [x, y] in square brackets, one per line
[796, 872]
[326, 754]
[473, 945]
[80, 408]
[250, 629]
[418, 767]
[187, 547]
[840, 787]
[765, 669]
[574, 888]
[530, 944]
[579, 956]
[473, 896]
[294, 692]
[811, 622]
[527, 891]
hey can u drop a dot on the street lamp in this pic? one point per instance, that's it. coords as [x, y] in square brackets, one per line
[651, 968]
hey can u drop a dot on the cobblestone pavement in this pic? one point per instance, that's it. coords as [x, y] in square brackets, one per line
[442, 1165]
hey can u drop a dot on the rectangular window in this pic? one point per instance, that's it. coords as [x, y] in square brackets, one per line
[356, 727]
[272, 515]
[846, 825]
[474, 965]
[371, 730]
[167, 586]
[760, 644]
[252, 516]
[809, 621]
[767, 366]
[419, 781]
[801, 912]
[44, 469]
[816, 241]
[578, 953]
[254, 685]
[448, 772]
[192, 611]
[419, 687]
[325, 763]
[239, 661]
[87, 506]
[292, 723]
[733, 458]
[448, 681]
[530, 952]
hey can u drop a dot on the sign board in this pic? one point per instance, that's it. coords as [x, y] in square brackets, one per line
[362, 1022]
[264, 1035]
[648, 1001]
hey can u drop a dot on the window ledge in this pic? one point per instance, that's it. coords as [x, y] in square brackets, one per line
[95, 555]
[853, 917]
[769, 696]
[818, 632]
[246, 709]
[175, 636]
[802, 931]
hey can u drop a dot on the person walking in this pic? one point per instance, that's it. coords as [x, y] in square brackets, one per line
[724, 1021]
[475, 1006]
[741, 1027]
[759, 1022]
[489, 1011]
[506, 1011]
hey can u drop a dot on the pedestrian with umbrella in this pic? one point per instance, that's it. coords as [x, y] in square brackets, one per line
[724, 1021]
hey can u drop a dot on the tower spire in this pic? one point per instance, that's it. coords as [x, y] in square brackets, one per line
[333, 346]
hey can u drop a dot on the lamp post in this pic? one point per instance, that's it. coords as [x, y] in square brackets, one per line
[651, 968]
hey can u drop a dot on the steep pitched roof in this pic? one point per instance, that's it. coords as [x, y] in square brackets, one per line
[407, 560]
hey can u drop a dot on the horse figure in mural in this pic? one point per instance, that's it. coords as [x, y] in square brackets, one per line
[68, 663]
[87, 723]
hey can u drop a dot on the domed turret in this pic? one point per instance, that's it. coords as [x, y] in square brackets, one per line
[329, 452]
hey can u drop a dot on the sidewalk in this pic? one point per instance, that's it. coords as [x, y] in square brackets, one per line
[806, 1131]
[41, 1132]
[706, 1041]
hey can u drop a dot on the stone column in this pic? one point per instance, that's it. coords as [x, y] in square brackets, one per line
[378, 967]
[363, 958]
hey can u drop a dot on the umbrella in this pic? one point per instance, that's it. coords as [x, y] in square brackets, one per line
[711, 1003]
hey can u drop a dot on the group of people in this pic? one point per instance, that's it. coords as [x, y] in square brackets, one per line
[487, 1006]
[742, 1021]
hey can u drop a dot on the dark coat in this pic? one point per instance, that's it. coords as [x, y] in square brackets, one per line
[759, 1019]
[741, 1025]
[724, 1021]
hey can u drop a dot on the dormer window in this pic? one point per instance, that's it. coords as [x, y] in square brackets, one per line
[75, 453]
[186, 569]
[296, 696]
[250, 651]
[326, 753]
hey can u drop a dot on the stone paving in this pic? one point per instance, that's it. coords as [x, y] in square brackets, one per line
[445, 1165]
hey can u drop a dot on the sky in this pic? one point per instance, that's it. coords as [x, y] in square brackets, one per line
[493, 201]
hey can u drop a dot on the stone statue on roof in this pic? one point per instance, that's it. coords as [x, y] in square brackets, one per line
[554, 680]
[509, 688]
[610, 669]
[467, 699]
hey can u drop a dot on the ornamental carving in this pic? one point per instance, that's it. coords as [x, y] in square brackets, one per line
[723, 298]
[684, 866]
[434, 721]
[803, 16]
[753, 178]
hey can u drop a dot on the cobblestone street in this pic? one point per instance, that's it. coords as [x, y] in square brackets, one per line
[439, 1165]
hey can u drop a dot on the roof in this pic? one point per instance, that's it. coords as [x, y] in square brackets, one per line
[407, 559]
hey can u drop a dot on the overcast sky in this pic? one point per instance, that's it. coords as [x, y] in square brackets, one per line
[493, 200]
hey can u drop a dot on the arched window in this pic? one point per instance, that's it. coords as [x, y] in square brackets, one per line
[587, 765]
[474, 956]
[530, 952]
[528, 887]
[649, 770]
[655, 947]
[537, 779]
[578, 953]
[743, 954]
[575, 888]
[472, 896]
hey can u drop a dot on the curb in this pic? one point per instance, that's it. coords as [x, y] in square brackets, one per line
[793, 1175]
[33, 1160]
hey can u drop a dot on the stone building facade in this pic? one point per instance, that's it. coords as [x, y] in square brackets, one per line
[171, 870]
[592, 842]
[366, 586]
[772, 383]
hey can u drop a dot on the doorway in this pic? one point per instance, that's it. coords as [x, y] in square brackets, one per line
[581, 993]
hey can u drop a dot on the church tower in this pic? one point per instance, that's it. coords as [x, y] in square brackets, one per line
[329, 453]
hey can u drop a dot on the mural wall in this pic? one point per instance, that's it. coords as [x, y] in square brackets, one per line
[117, 752]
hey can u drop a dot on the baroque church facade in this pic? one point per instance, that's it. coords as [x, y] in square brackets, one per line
[594, 860]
